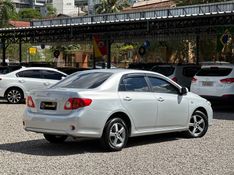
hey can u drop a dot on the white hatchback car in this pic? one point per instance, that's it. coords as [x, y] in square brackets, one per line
[16, 85]
[215, 82]
[114, 105]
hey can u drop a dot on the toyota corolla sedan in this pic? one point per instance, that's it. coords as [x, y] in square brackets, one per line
[114, 105]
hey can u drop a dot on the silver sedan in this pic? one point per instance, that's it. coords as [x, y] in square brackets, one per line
[114, 105]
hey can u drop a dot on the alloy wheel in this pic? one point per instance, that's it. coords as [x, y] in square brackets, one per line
[14, 96]
[196, 125]
[117, 135]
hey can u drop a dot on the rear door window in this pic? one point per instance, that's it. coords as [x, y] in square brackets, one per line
[167, 71]
[84, 80]
[214, 71]
[52, 75]
[134, 84]
[29, 74]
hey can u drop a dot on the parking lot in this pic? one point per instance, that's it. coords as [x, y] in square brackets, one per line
[28, 153]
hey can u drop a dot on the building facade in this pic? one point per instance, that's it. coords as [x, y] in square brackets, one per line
[19, 4]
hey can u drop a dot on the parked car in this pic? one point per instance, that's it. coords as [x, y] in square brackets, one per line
[180, 73]
[113, 105]
[215, 82]
[103, 65]
[71, 70]
[15, 86]
[8, 69]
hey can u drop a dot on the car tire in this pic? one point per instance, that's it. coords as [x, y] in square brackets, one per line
[115, 135]
[55, 138]
[14, 95]
[198, 125]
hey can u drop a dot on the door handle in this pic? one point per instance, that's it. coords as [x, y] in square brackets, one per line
[160, 99]
[21, 81]
[46, 84]
[127, 98]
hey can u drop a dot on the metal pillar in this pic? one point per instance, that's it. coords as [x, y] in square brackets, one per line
[108, 44]
[94, 59]
[20, 51]
[197, 49]
[3, 52]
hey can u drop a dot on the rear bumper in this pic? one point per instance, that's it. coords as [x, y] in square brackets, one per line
[70, 125]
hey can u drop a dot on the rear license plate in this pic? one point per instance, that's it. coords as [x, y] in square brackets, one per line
[207, 83]
[45, 105]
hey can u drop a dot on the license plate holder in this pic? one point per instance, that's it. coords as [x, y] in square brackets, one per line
[45, 105]
[207, 83]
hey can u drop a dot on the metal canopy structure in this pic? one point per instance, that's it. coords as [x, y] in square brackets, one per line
[196, 19]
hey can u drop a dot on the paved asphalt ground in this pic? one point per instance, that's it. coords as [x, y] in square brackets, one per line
[28, 153]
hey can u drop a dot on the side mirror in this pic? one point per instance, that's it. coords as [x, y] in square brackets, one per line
[183, 91]
[63, 77]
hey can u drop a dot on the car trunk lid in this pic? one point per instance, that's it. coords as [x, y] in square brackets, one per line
[52, 101]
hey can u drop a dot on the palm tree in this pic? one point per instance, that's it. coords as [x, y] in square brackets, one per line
[6, 9]
[111, 6]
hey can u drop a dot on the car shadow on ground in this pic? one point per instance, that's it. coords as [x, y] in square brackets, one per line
[78, 146]
[223, 111]
[3, 101]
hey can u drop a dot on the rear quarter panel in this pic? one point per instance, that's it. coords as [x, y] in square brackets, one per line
[8, 82]
[103, 106]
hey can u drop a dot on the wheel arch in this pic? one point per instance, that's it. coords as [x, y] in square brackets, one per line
[202, 109]
[124, 117]
[16, 87]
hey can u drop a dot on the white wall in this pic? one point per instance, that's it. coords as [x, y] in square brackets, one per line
[66, 7]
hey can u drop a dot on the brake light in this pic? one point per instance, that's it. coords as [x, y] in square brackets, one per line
[75, 103]
[194, 80]
[174, 79]
[30, 102]
[227, 80]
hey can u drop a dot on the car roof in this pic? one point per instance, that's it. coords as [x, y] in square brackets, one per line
[219, 66]
[40, 68]
[121, 71]
[33, 68]
[176, 65]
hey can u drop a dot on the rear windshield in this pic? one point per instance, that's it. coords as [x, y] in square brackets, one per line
[84, 80]
[214, 71]
[167, 71]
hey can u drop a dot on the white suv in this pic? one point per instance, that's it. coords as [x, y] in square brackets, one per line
[16, 85]
[215, 82]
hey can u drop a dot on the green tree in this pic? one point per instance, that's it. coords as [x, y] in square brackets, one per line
[6, 9]
[51, 10]
[111, 6]
[28, 14]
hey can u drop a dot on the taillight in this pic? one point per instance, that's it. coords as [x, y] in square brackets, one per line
[75, 103]
[174, 79]
[194, 80]
[30, 102]
[227, 80]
